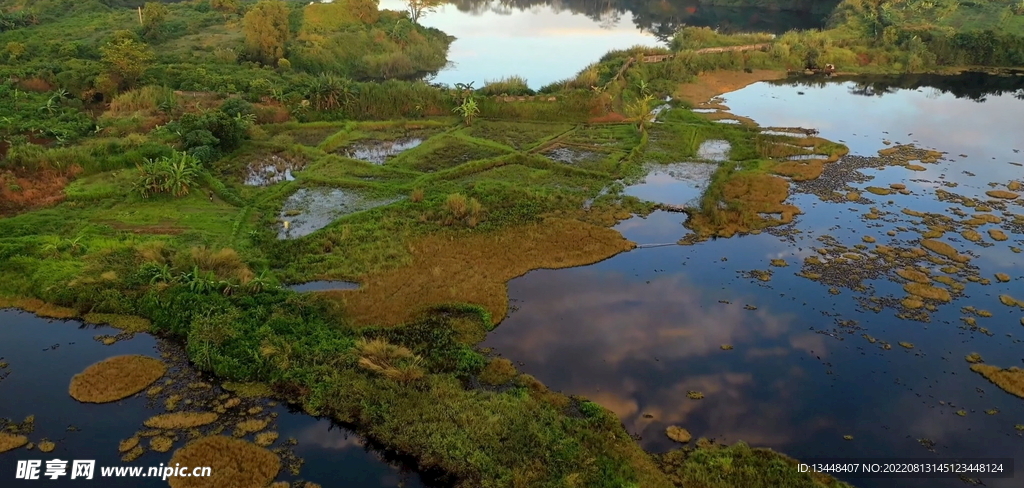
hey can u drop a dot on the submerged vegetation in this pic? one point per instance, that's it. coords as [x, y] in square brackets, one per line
[124, 169]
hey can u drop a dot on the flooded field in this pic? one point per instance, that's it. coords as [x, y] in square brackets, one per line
[268, 170]
[378, 152]
[850, 332]
[41, 357]
[673, 184]
[311, 209]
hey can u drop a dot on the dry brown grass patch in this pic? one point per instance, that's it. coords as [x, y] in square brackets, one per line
[39, 307]
[941, 248]
[128, 444]
[234, 464]
[1010, 380]
[997, 235]
[714, 83]
[747, 196]
[475, 267]
[115, 378]
[180, 420]
[11, 441]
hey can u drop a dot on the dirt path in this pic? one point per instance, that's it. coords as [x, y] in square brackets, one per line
[747, 47]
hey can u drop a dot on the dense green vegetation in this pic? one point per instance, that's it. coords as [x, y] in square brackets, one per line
[141, 174]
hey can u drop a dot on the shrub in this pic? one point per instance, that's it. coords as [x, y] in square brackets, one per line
[176, 175]
[511, 85]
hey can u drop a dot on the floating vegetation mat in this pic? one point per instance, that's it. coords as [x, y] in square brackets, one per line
[311, 209]
[115, 378]
[268, 170]
[181, 420]
[1010, 380]
[234, 464]
[378, 152]
[11, 441]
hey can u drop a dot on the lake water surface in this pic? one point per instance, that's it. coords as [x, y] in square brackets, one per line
[546, 41]
[641, 330]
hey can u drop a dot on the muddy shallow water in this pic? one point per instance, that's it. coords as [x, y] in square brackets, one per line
[639, 331]
[311, 209]
[378, 152]
[43, 355]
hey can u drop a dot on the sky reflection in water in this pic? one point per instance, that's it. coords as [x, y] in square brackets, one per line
[637, 331]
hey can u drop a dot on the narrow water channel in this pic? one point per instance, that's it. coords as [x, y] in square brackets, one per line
[42, 355]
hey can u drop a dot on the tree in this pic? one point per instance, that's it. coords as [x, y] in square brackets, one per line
[266, 30]
[419, 8]
[153, 16]
[226, 6]
[126, 57]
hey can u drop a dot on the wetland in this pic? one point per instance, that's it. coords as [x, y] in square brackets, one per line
[478, 244]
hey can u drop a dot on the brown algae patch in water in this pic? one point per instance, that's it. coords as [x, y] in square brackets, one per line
[974, 358]
[1010, 380]
[128, 444]
[1010, 301]
[180, 420]
[250, 426]
[11, 441]
[115, 378]
[234, 464]
[997, 235]
[161, 444]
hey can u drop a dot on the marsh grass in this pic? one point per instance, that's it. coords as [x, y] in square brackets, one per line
[475, 267]
[392, 361]
[115, 378]
[510, 85]
[147, 100]
[1010, 380]
[498, 372]
[127, 323]
[716, 466]
[234, 463]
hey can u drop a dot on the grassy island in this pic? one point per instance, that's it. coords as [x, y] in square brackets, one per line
[177, 165]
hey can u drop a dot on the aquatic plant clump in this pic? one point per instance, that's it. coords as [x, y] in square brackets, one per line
[180, 420]
[1010, 380]
[234, 464]
[678, 434]
[115, 378]
[11, 441]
